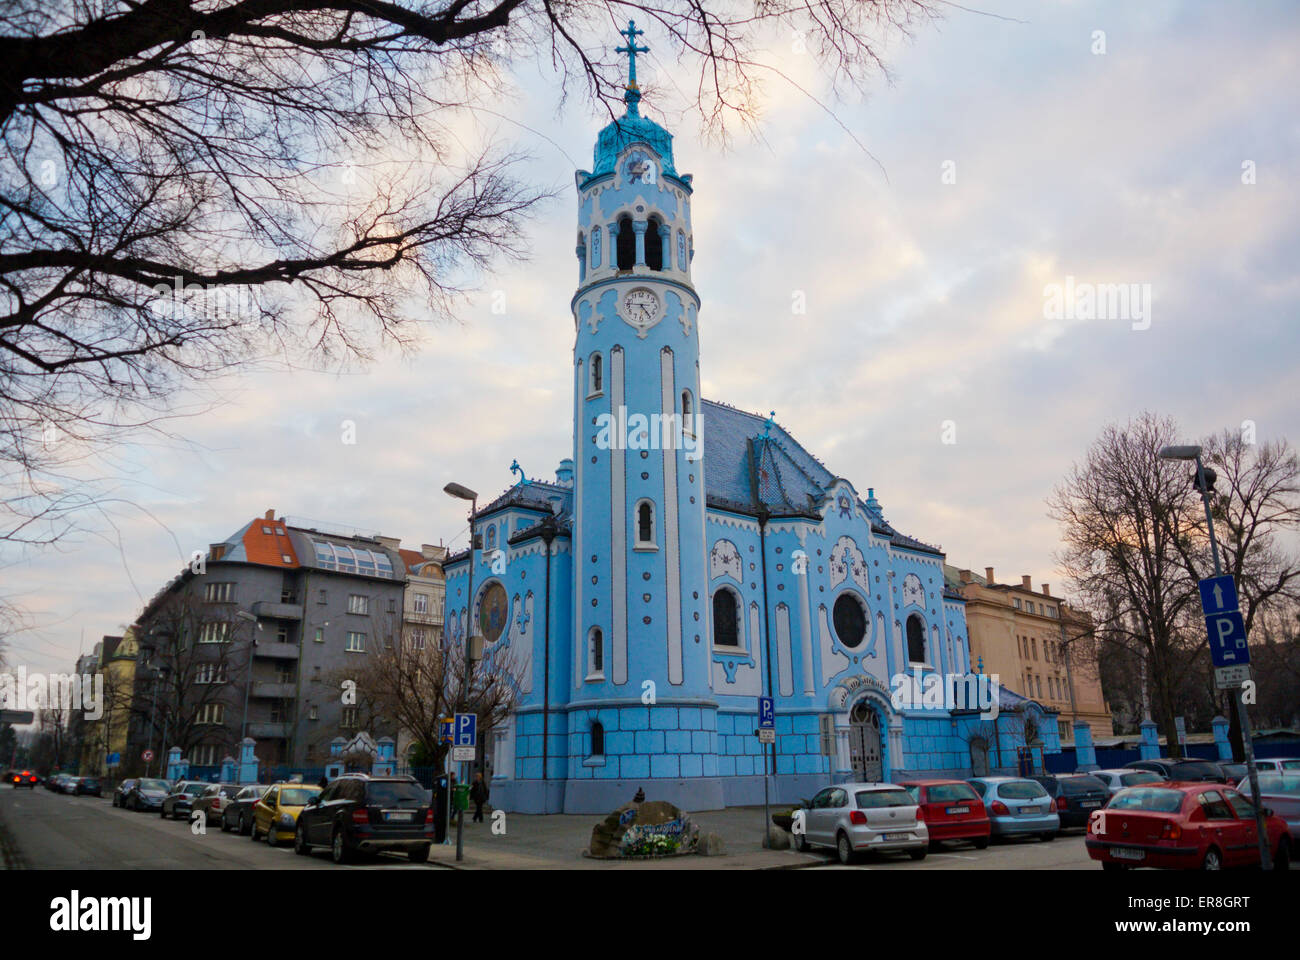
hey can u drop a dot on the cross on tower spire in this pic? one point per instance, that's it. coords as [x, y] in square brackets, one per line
[632, 94]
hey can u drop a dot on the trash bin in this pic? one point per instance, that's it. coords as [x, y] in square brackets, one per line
[460, 796]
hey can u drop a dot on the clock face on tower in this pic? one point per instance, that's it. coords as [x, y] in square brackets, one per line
[641, 307]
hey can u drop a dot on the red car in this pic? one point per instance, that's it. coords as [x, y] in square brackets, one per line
[952, 810]
[1182, 826]
[24, 779]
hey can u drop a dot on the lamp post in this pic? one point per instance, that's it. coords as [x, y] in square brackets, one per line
[248, 676]
[1204, 479]
[465, 493]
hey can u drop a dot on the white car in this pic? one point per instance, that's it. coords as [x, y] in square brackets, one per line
[1122, 777]
[1278, 765]
[856, 818]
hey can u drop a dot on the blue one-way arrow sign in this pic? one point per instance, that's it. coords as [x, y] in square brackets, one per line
[1228, 647]
[1218, 595]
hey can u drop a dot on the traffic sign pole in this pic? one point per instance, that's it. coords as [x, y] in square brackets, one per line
[1261, 829]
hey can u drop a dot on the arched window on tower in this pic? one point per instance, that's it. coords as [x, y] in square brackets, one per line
[645, 526]
[597, 739]
[626, 243]
[596, 376]
[688, 408]
[654, 245]
[595, 654]
[726, 619]
[595, 247]
[915, 640]
[582, 256]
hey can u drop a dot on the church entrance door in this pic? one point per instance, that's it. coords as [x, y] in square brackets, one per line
[864, 744]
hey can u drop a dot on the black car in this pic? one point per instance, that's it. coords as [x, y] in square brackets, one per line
[1184, 770]
[1235, 772]
[180, 800]
[1076, 795]
[146, 794]
[122, 790]
[87, 787]
[237, 815]
[359, 813]
[23, 778]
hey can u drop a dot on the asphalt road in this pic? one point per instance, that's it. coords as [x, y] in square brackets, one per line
[50, 831]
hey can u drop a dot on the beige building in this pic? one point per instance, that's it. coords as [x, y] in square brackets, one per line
[1030, 639]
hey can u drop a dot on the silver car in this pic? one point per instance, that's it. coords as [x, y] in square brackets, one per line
[1018, 807]
[1119, 778]
[1278, 765]
[1280, 792]
[855, 818]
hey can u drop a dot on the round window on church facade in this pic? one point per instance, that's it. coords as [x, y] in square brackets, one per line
[850, 620]
[493, 610]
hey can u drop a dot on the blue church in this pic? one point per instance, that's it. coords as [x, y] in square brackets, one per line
[691, 557]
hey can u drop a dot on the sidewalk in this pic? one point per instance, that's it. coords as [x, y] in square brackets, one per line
[556, 842]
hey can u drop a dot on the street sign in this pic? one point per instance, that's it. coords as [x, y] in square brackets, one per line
[462, 754]
[767, 735]
[465, 731]
[1231, 678]
[17, 716]
[147, 756]
[114, 759]
[1181, 727]
[445, 725]
[1227, 639]
[766, 713]
[1218, 594]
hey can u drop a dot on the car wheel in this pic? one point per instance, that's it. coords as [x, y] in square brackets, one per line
[1282, 859]
[245, 824]
[1114, 866]
[981, 843]
[271, 839]
[252, 831]
[300, 844]
[419, 854]
[339, 851]
[844, 848]
[1213, 860]
[225, 824]
[162, 812]
[918, 854]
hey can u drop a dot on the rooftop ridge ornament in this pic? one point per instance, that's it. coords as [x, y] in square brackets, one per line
[632, 93]
[515, 468]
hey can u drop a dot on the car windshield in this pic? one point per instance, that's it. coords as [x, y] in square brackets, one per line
[875, 799]
[1291, 764]
[948, 792]
[193, 789]
[1020, 790]
[153, 784]
[1154, 799]
[1137, 779]
[399, 794]
[295, 796]
[1081, 785]
[253, 793]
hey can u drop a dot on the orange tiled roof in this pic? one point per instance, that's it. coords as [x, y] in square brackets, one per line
[269, 548]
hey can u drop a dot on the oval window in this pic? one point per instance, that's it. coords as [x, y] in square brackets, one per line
[850, 620]
[493, 612]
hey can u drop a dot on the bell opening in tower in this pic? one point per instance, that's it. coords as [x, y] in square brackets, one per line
[626, 243]
[654, 248]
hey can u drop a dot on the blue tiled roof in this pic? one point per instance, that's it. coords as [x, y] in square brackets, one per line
[622, 133]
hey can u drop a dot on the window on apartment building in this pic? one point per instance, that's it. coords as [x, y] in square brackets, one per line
[1063, 729]
[417, 639]
[348, 720]
[323, 596]
[1047, 651]
[1039, 683]
[281, 711]
[282, 633]
[356, 642]
[1033, 647]
[211, 713]
[219, 592]
[1016, 602]
[420, 603]
[392, 605]
[215, 632]
[358, 604]
[210, 673]
[320, 634]
[314, 713]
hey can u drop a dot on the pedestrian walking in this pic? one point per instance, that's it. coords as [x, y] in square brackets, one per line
[478, 792]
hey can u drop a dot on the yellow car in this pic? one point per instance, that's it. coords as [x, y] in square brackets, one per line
[276, 814]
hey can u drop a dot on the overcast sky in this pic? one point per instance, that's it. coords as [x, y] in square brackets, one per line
[925, 302]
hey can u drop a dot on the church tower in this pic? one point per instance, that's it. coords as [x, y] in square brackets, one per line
[641, 623]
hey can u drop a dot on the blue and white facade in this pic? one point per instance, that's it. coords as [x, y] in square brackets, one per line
[690, 557]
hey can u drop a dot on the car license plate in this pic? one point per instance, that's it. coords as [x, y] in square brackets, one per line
[1127, 853]
[956, 810]
[1091, 803]
[893, 836]
[399, 816]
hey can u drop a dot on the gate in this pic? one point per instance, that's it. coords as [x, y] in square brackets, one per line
[864, 744]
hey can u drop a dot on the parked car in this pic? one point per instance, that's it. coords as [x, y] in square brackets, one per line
[146, 794]
[1182, 770]
[54, 781]
[87, 787]
[122, 790]
[180, 799]
[237, 815]
[1076, 795]
[360, 813]
[213, 800]
[1280, 792]
[854, 818]
[1018, 807]
[276, 814]
[23, 778]
[1183, 826]
[1233, 771]
[952, 810]
[68, 784]
[1116, 779]
[1278, 765]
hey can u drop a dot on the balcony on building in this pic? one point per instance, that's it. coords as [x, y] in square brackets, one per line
[264, 730]
[274, 689]
[278, 651]
[277, 611]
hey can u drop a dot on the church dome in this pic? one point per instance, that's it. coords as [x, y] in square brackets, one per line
[629, 129]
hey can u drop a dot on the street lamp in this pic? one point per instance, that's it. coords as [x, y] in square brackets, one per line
[461, 492]
[1204, 479]
[248, 675]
